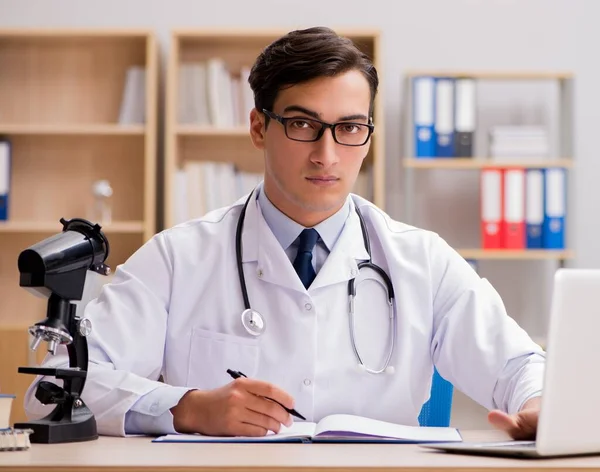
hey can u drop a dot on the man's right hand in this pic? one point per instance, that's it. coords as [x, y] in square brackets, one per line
[236, 409]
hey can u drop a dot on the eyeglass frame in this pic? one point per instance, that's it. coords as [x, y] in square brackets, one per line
[324, 125]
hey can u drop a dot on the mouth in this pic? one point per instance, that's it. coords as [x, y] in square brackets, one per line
[324, 178]
[323, 181]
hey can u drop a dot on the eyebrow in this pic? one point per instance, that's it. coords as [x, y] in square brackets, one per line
[314, 114]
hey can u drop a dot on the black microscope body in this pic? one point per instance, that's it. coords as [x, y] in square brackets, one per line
[56, 268]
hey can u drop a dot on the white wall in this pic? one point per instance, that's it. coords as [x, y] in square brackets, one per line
[417, 34]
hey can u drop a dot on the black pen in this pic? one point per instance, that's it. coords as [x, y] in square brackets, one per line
[236, 374]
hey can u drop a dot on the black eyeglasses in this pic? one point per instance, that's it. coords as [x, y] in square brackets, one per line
[346, 133]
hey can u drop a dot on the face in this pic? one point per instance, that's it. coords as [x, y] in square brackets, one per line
[309, 181]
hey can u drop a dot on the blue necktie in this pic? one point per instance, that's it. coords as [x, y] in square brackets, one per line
[303, 261]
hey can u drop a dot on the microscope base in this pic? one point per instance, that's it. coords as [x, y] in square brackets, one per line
[45, 431]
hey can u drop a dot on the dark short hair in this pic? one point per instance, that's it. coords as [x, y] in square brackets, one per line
[304, 55]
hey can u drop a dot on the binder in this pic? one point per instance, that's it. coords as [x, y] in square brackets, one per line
[465, 117]
[513, 221]
[491, 208]
[423, 116]
[444, 117]
[553, 233]
[5, 166]
[534, 208]
[474, 264]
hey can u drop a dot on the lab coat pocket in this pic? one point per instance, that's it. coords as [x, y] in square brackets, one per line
[212, 353]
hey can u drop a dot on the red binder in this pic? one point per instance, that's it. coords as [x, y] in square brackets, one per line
[491, 208]
[513, 219]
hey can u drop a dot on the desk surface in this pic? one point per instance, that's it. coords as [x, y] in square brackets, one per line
[139, 454]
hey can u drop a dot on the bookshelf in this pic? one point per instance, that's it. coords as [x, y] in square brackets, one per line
[198, 142]
[507, 264]
[479, 162]
[61, 96]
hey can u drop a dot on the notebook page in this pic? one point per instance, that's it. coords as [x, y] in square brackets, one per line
[350, 425]
[299, 429]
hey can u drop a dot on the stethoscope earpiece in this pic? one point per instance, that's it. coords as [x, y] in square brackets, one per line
[390, 370]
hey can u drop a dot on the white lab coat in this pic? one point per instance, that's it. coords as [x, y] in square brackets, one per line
[173, 309]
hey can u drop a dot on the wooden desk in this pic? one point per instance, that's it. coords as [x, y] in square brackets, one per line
[109, 454]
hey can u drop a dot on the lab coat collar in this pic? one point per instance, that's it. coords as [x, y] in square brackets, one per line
[259, 244]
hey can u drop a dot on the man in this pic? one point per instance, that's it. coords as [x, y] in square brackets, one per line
[174, 308]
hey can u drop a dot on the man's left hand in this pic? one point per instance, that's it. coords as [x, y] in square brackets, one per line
[522, 425]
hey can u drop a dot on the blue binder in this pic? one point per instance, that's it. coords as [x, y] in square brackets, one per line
[534, 208]
[553, 234]
[4, 179]
[423, 116]
[444, 117]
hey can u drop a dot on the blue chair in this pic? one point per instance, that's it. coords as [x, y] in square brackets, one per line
[436, 412]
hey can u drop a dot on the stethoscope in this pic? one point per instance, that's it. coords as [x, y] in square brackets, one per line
[255, 324]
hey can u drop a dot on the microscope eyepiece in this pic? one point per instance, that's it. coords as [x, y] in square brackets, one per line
[56, 268]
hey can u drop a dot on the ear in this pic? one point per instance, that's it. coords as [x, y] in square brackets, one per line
[257, 129]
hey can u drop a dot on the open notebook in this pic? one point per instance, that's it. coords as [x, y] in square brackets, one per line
[335, 428]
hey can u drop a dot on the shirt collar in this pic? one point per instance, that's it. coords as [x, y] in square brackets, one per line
[287, 230]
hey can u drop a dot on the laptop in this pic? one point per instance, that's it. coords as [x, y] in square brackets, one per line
[569, 422]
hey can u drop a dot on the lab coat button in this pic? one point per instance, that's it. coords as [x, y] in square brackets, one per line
[307, 382]
[353, 272]
[308, 306]
[259, 272]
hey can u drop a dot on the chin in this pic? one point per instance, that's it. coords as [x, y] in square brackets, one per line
[323, 203]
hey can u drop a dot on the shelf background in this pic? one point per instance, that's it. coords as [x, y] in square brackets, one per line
[60, 97]
[443, 194]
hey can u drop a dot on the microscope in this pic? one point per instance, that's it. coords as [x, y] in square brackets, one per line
[56, 268]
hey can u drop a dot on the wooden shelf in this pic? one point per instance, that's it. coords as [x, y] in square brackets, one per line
[482, 163]
[525, 254]
[72, 129]
[132, 227]
[61, 94]
[191, 130]
[72, 33]
[494, 75]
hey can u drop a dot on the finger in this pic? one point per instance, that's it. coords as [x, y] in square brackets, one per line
[268, 390]
[505, 422]
[264, 422]
[251, 430]
[268, 408]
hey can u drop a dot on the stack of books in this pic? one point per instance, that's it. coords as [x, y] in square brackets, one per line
[11, 439]
[519, 142]
[212, 95]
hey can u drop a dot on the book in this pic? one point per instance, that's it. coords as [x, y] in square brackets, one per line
[5, 165]
[133, 102]
[335, 428]
[11, 439]
[5, 406]
[15, 439]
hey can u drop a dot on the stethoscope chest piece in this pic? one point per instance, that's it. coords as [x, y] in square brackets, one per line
[253, 322]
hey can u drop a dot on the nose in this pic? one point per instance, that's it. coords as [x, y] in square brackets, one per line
[325, 151]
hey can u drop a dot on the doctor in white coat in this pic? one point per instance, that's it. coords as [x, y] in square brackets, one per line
[174, 309]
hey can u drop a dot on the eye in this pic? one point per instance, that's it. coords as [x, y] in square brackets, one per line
[350, 128]
[300, 124]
